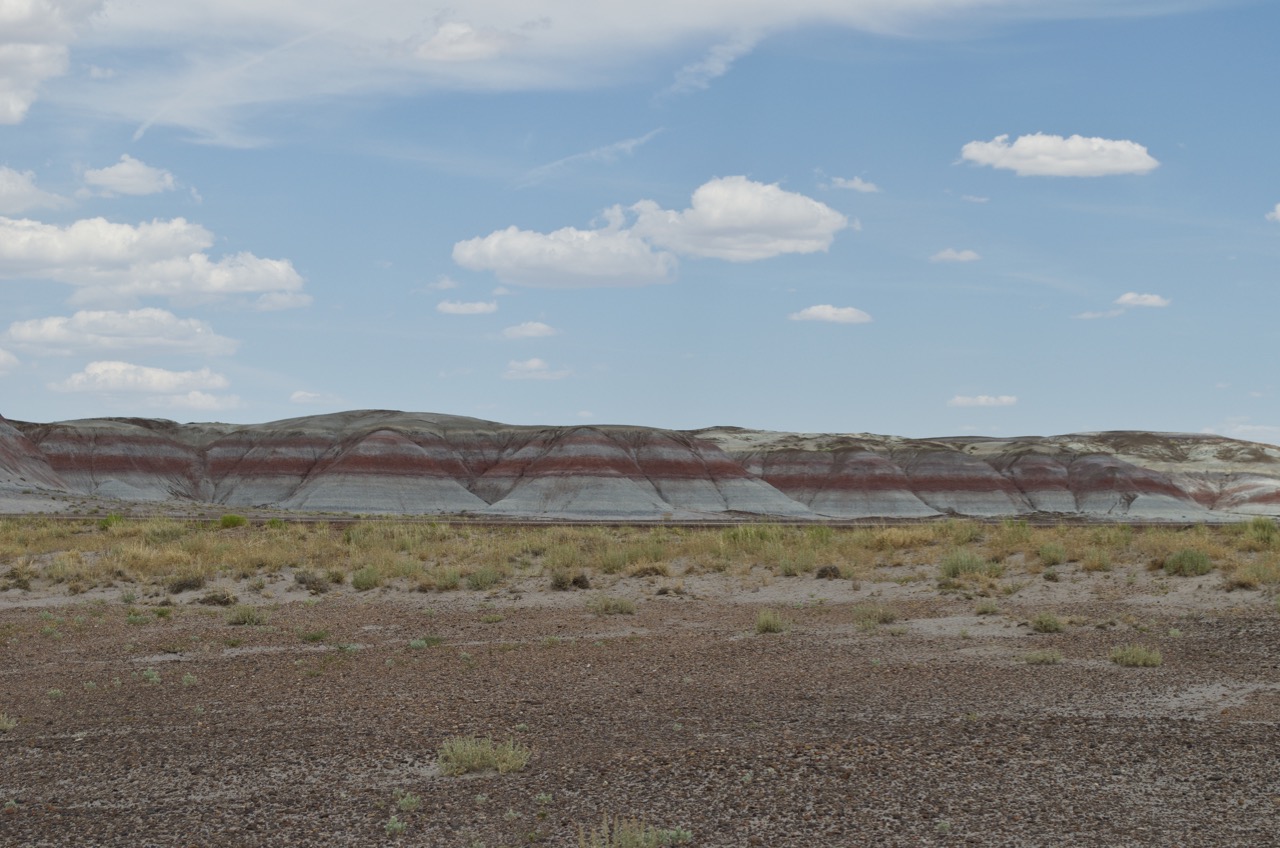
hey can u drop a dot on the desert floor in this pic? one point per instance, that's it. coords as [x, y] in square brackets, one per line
[885, 713]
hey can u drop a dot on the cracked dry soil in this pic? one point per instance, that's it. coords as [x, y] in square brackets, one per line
[186, 731]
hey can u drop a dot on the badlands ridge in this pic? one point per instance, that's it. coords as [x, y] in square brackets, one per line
[375, 461]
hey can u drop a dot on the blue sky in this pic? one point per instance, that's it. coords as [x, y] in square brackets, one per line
[917, 217]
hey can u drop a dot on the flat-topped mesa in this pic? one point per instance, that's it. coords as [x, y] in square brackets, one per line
[384, 461]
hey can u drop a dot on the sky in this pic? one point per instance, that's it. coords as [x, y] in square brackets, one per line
[908, 217]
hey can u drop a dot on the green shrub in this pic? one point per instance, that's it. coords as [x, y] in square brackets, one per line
[1046, 657]
[466, 754]
[112, 520]
[484, 578]
[1188, 563]
[1052, 553]
[7, 723]
[366, 578]
[963, 562]
[231, 520]
[1136, 655]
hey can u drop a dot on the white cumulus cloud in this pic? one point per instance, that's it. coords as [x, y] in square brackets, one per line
[740, 220]
[106, 261]
[857, 184]
[458, 307]
[532, 369]
[1274, 214]
[8, 362]
[567, 258]
[130, 176]
[34, 39]
[530, 330]
[1043, 155]
[950, 254]
[18, 193]
[1135, 299]
[109, 330]
[832, 314]
[983, 400]
[114, 376]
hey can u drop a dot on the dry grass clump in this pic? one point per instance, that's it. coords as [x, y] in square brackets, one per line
[1096, 559]
[869, 616]
[769, 621]
[1138, 656]
[1045, 657]
[607, 605]
[1253, 575]
[467, 754]
[7, 723]
[246, 615]
[965, 562]
[1258, 534]
[630, 833]
[1046, 622]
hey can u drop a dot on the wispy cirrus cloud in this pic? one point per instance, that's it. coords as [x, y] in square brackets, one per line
[983, 400]
[530, 330]
[458, 307]
[532, 369]
[604, 154]
[950, 254]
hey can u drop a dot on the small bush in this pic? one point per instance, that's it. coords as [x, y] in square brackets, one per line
[1047, 657]
[1188, 563]
[1096, 559]
[484, 578]
[987, 607]
[314, 636]
[964, 562]
[231, 520]
[7, 723]
[466, 754]
[1052, 553]
[274, 524]
[1137, 656]
[247, 615]
[426, 642]
[768, 621]
[217, 598]
[607, 605]
[870, 615]
[1046, 622]
[563, 579]
[365, 579]
[185, 583]
[630, 833]
[112, 520]
[316, 584]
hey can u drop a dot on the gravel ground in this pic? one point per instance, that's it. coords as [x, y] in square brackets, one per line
[932, 730]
